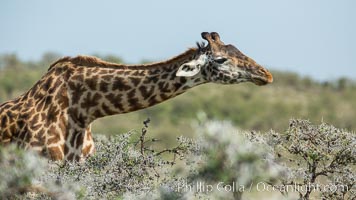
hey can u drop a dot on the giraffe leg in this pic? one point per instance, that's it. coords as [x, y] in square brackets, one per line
[55, 153]
[79, 143]
[88, 144]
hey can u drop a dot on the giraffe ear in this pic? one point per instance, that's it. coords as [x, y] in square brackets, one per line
[188, 70]
[192, 68]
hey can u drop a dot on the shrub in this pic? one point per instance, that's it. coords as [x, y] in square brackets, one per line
[18, 170]
[221, 164]
[320, 159]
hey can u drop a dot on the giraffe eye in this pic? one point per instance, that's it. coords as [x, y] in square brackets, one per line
[220, 60]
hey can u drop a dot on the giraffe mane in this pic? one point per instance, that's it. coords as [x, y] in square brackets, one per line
[92, 61]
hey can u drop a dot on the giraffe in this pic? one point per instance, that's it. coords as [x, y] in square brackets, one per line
[54, 117]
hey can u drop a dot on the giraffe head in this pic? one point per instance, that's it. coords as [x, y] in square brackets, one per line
[225, 64]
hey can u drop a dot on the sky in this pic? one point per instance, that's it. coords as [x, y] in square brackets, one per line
[315, 38]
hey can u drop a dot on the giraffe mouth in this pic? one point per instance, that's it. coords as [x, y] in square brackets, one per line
[262, 80]
[259, 81]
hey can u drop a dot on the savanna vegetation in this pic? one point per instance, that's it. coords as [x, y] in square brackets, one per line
[213, 142]
[304, 162]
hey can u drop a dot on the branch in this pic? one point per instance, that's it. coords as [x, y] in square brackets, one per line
[143, 133]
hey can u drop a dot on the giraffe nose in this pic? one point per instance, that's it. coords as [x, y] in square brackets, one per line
[269, 76]
[263, 77]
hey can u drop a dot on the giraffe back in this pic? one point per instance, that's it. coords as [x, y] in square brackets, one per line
[36, 118]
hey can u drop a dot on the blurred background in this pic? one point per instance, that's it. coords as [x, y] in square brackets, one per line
[310, 47]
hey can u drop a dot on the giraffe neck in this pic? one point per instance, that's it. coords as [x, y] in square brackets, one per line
[98, 91]
[54, 116]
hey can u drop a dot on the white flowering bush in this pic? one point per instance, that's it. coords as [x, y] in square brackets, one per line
[221, 163]
[320, 159]
[17, 171]
[232, 163]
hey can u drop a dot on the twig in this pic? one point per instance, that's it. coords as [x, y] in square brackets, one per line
[143, 133]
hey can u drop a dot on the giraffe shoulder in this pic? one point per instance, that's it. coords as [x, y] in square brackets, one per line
[61, 60]
[83, 60]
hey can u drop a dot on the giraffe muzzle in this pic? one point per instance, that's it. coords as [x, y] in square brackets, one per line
[264, 79]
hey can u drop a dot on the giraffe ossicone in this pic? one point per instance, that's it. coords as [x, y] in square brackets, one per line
[55, 115]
